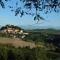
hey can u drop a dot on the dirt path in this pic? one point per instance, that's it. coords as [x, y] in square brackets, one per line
[16, 42]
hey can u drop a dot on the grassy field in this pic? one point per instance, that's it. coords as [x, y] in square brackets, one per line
[16, 42]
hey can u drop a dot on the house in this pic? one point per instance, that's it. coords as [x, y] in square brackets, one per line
[16, 30]
[9, 30]
[21, 32]
[26, 33]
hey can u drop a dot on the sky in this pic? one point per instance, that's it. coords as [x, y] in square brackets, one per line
[7, 17]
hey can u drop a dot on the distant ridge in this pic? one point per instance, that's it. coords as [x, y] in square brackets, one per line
[30, 27]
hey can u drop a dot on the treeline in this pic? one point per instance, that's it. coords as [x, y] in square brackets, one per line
[11, 53]
[10, 26]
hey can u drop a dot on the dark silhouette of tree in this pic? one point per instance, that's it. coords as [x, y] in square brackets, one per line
[32, 7]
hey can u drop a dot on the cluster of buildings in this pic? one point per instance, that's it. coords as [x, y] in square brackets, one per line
[14, 30]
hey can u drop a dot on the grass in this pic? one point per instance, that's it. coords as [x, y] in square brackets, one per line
[16, 42]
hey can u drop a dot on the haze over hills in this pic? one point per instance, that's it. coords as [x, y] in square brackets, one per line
[30, 27]
[39, 27]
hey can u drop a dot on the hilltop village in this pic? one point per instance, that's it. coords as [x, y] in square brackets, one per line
[13, 31]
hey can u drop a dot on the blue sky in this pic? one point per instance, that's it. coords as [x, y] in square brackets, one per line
[7, 17]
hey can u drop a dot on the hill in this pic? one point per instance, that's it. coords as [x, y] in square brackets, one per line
[16, 42]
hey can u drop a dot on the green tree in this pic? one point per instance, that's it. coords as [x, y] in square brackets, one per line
[3, 53]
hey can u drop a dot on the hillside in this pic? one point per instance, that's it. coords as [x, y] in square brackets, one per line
[38, 45]
[16, 42]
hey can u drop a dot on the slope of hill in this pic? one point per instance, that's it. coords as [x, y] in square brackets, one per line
[16, 42]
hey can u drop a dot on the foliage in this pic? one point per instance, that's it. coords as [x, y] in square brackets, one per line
[32, 7]
[11, 53]
[46, 36]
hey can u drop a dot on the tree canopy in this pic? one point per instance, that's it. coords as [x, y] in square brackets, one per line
[32, 7]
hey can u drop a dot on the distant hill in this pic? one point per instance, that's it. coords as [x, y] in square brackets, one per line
[30, 27]
[49, 31]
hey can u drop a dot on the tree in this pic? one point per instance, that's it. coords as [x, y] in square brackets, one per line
[32, 7]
